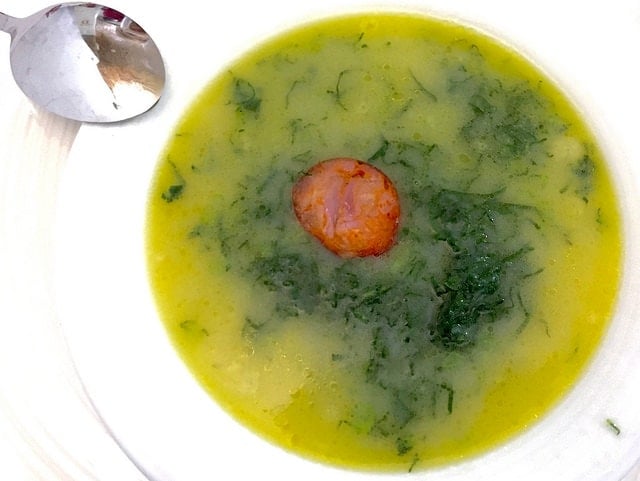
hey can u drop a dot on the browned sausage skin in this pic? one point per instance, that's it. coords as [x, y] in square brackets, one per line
[349, 205]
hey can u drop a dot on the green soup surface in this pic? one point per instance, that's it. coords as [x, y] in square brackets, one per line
[485, 311]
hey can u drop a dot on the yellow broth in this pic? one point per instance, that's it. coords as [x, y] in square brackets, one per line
[485, 312]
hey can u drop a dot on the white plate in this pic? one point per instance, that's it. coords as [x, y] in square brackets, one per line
[144, 395]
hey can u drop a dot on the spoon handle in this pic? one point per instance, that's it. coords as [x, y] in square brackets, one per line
[8, 23]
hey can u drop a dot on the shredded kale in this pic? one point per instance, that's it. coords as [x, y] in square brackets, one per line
[423, 89]
[176, 189]
[403, 446]
[293, 277]
[584, 171]
[476, 285]
[245, 96]
[459, 266]
[503, 123]
[193, 327]
[173, 192]
[450, 394]
[408, 303]
[338, 90]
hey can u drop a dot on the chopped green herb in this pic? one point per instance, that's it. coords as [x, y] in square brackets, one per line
[251, 327]
[359, 42]
[423, 89]
[613, 426]
[414, 463]
[584, 171]
[193, 327]
[174, 191]
[422, 305]
[290, 92]
[502, 125]
[450, 394]
[403, 446]
[338, 91]
[480, 275]
[245, 96]
[293, 277]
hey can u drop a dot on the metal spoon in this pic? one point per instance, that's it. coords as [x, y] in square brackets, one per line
[85, 62]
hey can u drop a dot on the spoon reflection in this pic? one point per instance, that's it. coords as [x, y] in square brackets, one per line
[85, 61]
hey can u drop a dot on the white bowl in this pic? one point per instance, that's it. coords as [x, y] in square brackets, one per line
[148, 400]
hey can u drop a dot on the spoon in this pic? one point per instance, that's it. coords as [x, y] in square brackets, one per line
[85, 62]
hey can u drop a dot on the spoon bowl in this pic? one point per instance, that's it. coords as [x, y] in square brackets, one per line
[85, 62]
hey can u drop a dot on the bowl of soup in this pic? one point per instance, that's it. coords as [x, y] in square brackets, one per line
[379, 241]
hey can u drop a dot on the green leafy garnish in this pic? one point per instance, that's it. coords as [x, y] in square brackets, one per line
[584, 171]
[175, 190]
[245, 96]
[613, 426]
[477, 282]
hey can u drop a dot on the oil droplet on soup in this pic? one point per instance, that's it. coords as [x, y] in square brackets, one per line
[477, 304]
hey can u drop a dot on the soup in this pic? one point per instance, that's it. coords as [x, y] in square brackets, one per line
[484, 307]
